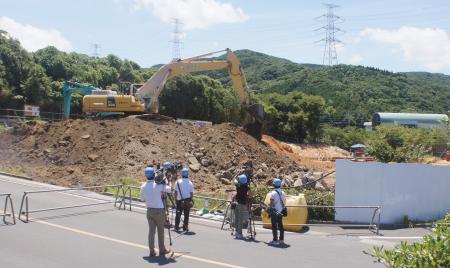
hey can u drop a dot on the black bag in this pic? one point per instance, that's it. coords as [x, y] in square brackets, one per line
[284, 210]
[185, 203]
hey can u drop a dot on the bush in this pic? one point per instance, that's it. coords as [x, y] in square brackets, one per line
[402, 144]
[432, 251]
[313, 197]
[343, 137]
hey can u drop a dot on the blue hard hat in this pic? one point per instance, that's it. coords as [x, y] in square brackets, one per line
[242, 179]
[185, 173]
[149, 172]
[166, 165]
[276, 183]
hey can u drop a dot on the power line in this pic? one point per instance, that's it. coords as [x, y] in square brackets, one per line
[329, 53]
[176, 39]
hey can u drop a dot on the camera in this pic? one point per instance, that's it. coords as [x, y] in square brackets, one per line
[159, 177]
[175, 167]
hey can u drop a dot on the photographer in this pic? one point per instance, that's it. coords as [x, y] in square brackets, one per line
[277, 204]
[184, 192]
[167, 172]
[153, 194]
[241, 198]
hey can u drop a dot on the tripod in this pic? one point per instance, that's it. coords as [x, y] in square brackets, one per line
[251, 229]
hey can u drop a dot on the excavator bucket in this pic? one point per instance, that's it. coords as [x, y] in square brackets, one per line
[255, 128]
[256, 111]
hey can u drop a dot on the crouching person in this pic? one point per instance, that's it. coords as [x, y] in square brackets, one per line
[153, 195]
[277, 201]
[184, 192]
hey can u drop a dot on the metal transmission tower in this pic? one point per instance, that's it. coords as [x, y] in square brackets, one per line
[330, 56]
[176, 39]
[95, 47]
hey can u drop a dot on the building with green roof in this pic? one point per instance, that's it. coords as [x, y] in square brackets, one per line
[411, 120]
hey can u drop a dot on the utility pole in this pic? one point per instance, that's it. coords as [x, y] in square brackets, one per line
[330, 56]
[95, 47]
[176, 39]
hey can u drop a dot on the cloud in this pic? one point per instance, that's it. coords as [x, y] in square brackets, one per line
[429, 47]
[195, 14]
[356, 59]
[33, 38]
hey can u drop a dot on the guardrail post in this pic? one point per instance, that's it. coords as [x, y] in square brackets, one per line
[116, 196]
[26, 207]
[21, 205]
[13, 215]
[8, 199]
[129, 190]
[379, 220]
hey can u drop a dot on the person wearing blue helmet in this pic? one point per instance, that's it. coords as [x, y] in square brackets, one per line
[153, 193]
[184, 192]
[241, 199]
[277, 203]
[166, 165]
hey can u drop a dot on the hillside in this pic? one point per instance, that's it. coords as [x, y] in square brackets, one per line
[354, 91]
[433, 78]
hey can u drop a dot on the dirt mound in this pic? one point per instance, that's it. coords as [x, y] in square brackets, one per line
[94, 152]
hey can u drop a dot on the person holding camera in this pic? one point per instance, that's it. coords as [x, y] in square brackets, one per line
[153, 194]
[241, 199]
[277, 205]
[184, 189]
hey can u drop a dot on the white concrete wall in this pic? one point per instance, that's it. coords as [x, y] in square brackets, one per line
[420, 191]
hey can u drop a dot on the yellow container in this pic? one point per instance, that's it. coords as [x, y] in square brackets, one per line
[296, 215]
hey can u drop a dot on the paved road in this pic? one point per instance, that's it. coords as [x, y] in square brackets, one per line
[103, 236]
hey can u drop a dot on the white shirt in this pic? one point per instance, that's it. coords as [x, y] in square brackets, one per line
[186, 188]
[276, 199]
[151, 193]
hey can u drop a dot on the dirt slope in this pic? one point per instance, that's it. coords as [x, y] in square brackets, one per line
[316, 157]
[90, 152]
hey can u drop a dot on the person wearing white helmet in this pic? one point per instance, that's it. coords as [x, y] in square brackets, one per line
[184, 189]
[241, 198]
[277, 203]
[153, 193]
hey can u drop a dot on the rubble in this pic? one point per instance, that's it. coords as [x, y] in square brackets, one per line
[214, 154]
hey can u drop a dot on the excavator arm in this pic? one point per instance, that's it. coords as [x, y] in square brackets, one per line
[155, 85]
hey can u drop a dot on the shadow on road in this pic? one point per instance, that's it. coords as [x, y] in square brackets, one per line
[160, 260]
[282, 246]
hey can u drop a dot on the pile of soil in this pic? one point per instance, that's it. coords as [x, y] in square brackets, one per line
[88, 152]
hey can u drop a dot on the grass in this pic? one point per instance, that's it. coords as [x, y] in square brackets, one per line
[198, 202]
[3, 128]
[13, 170]
[126, 181]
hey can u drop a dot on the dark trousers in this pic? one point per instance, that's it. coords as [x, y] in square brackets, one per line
[179, 211]
[277, 224]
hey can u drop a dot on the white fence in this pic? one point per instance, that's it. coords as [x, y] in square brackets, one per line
[419, 191]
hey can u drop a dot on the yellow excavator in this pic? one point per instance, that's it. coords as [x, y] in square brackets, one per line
[145, 98]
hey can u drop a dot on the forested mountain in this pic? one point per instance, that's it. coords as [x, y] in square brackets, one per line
[433, 78]
[354, 91]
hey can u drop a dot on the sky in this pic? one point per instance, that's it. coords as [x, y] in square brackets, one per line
[395, 35]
